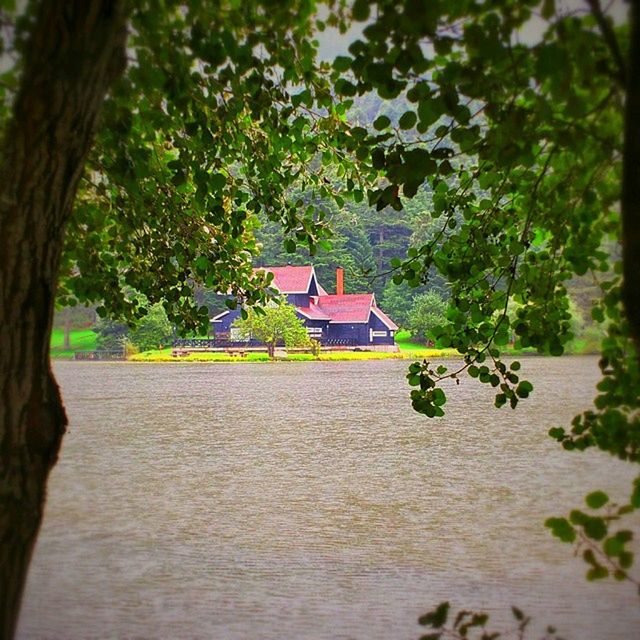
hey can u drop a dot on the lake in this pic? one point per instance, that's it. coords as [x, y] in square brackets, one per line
[308, 501]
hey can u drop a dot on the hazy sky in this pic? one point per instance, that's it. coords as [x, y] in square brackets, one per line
[333, 43]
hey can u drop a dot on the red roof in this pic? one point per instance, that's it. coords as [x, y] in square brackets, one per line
[351, 307]
[290, 279]
[313, 312]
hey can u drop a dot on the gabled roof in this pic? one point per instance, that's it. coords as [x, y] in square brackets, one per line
[384, 318]
[220, 315]
[313, 312]
[291, 279]
[350, 307]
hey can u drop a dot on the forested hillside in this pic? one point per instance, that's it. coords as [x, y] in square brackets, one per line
[365, 241]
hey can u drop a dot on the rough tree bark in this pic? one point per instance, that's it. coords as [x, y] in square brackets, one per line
[631, 182]
[76, 50]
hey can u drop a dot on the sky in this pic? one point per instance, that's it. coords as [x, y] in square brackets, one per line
[333, 43]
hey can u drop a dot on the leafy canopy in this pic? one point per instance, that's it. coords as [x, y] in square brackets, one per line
[427, 314]
[220, 114]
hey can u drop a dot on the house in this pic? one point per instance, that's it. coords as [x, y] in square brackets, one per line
[335, 319]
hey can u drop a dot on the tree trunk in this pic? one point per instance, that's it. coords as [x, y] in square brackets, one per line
[67, 329]
[76, 50]
[631, 182]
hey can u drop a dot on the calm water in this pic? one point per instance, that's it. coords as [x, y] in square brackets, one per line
[308, 501]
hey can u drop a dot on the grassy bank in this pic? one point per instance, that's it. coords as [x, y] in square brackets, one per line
[164, 355]
[578, 346]
[80, 339]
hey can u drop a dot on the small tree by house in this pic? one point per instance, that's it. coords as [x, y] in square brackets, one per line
[273, 324]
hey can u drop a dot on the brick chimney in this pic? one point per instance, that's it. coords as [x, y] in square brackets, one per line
[339, 281]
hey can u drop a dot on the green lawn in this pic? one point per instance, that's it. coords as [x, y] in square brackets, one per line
[414, 351]
[405, 343]
[579, 346]
[81, 340]
[164, 355]
[418, 351]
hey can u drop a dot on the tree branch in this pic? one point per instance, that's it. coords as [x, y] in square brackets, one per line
[610, 38]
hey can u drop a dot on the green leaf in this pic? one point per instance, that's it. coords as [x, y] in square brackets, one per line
[436, 618]
[597, 499]
[626, 559]
[561, 528]
[595, 528]
[381, 122]
[613, 546]
[548, 9]
[360, 10]
[439, 397]
[635, 496]
[523, 389]
[429, 111]
[342, 63]
[597, 573]
[377, 158]
[408, 120]
[217, 181]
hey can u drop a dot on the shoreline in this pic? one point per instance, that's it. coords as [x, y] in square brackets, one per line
[164, 357]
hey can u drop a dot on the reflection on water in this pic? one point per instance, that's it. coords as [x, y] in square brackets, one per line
[307, 500]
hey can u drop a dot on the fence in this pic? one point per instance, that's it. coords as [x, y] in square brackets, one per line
[114, 354]
[225, 343]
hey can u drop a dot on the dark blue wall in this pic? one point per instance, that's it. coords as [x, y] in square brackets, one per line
[356, 331]
[359, 331]
[298, 299]
[321, 324]
[224, 324]
[377, 325]
[347, 331]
